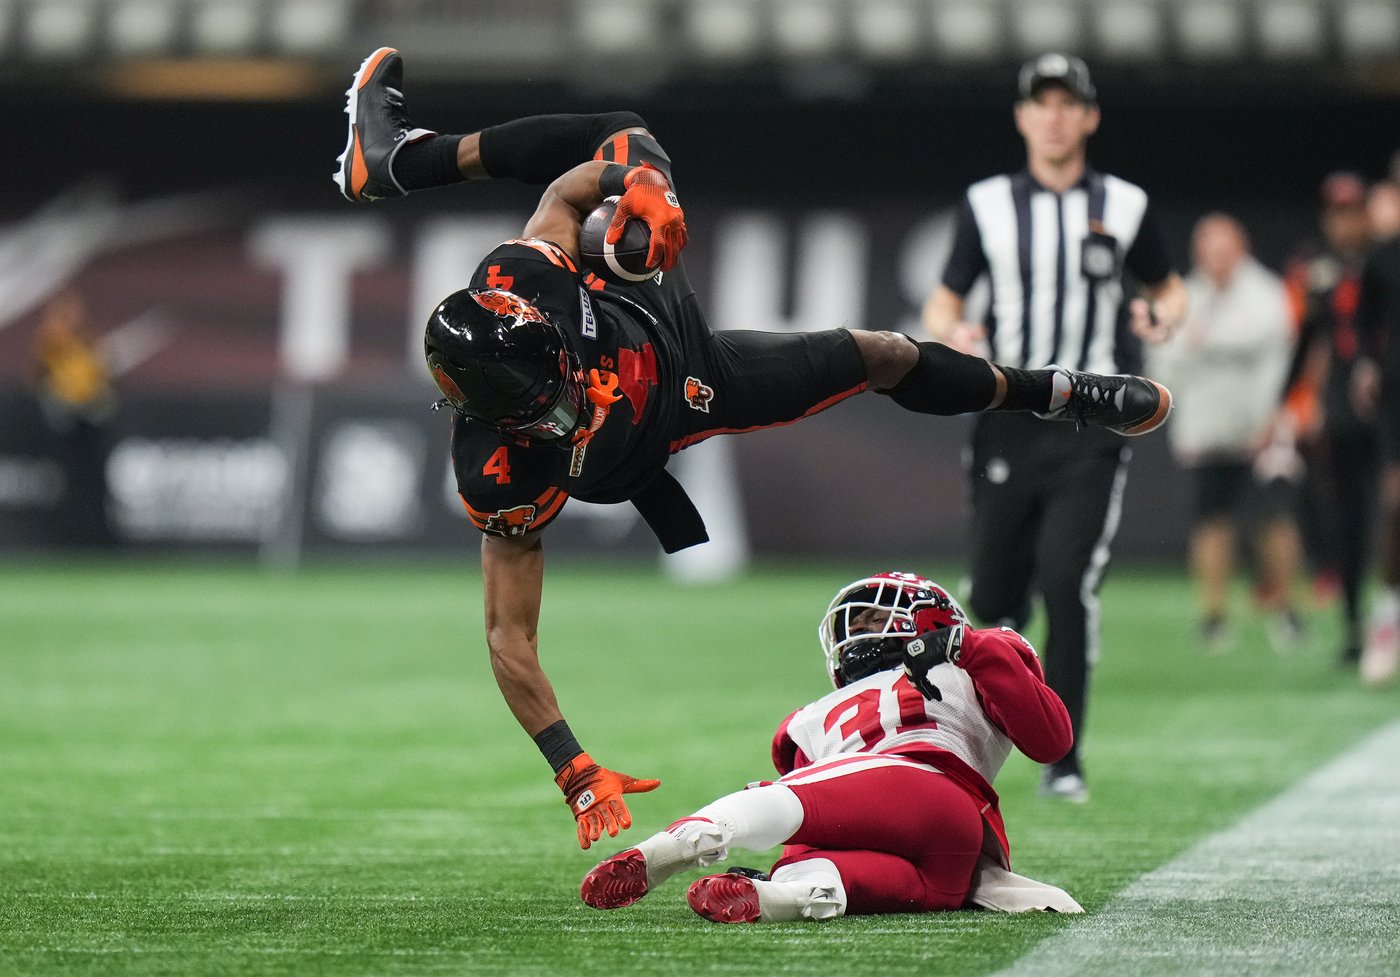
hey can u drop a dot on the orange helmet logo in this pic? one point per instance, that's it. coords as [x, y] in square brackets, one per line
[507, 304]
[697, 395]
[511, 522]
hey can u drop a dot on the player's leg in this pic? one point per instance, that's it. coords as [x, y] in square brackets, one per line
[889, 839]
[387, 155]
[1007, 477]
[1380, 658]
[1353, 458]
[1212, 544]
[755, 819]
[1081, 518]
[744, 380]
[1279, 549]
[931, 378]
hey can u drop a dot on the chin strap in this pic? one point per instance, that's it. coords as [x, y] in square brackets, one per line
[602, 392]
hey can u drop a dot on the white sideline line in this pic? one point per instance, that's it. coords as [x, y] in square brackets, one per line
[1308, 884]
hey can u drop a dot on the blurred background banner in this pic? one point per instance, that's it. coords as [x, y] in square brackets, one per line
[169, 171]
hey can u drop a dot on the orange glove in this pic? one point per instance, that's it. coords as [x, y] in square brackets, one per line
[594, 795]
[650, 199]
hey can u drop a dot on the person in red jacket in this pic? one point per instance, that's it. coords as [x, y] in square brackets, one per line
[884, 803]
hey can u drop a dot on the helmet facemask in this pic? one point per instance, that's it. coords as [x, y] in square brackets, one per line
[869, 622]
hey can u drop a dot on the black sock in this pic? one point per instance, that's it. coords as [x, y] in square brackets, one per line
[428, 163]
[1027, 389]
[946, 382]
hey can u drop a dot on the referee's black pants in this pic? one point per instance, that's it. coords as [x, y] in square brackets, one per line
[1046, 500]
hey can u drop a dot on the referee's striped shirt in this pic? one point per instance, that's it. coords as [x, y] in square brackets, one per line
[1031, 242]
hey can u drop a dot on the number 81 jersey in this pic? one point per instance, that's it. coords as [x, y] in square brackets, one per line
[884, 713]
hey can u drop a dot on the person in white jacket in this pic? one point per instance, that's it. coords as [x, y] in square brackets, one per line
[1227, 363]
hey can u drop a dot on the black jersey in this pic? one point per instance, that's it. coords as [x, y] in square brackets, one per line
[627, 352]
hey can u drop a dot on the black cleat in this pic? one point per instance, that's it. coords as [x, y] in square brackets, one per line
[1125, 405]
[379, 128]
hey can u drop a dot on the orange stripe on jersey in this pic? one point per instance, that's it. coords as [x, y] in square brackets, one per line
[696, 438]
[548, 510]
[553, 252]
[620, 149]
[521, 519]
[477, 517]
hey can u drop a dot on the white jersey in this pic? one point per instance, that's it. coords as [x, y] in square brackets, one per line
[884, 713]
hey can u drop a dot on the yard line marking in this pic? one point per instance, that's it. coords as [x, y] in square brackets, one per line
[1305, 885]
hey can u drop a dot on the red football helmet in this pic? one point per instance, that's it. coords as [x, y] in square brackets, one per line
[869, 622]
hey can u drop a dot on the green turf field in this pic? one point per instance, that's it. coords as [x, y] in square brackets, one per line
[212, 770]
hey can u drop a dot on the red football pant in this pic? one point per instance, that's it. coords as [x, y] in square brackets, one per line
[904, 840]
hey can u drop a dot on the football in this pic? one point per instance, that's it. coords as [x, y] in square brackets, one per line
[623, 263]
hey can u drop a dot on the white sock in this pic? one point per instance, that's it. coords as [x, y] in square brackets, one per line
[1385, 609]
[809, 889]
[757, 818]
[690, 842]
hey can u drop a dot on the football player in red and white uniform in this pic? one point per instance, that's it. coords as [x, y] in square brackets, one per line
[885, 801]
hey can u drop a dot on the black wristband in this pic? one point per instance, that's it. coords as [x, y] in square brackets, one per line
[558, 745]
[612, 181]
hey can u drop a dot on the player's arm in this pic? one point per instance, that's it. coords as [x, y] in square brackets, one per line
[942, 314]
[1155, 316]
[943, 319]
[513, 575]
[645, 193]
[1163, 305]
[1011, 687]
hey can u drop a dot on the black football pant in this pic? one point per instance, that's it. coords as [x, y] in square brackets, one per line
[1351, 469]
[1045, 505]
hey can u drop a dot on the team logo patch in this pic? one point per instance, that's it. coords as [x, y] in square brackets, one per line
[585, 800]
[511, 522]
[507, 305]
[697, 395]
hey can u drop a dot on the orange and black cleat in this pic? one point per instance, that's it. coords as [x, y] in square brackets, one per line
[1123, 404]
[379, 128]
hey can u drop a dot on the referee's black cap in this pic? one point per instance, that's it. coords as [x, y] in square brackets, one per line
[1058, 69]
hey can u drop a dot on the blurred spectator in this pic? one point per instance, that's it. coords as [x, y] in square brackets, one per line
[1375, 389]
[1383, 210]
[1340, 443]
[77, 398]
[1225, 367]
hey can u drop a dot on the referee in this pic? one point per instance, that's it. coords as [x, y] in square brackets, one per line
[1056, 240]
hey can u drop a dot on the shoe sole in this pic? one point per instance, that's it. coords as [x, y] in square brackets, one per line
[1164, 408]
[616, 882]
[724, 898]
[353, 174]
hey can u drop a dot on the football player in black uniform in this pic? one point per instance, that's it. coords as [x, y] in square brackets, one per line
[565, 386]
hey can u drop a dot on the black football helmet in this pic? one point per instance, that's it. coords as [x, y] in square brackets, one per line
[909, 606]
[500, 361]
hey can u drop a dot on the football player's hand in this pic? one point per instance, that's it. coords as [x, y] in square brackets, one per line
[594, 795]
[649, 198]
[928, 650]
